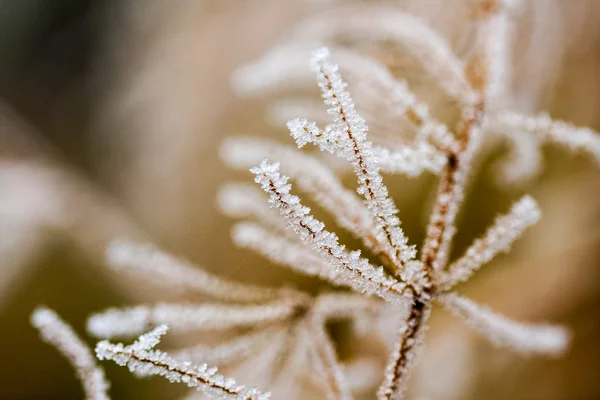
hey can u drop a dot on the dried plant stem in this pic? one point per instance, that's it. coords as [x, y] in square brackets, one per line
[451, 192]
[361, 275]
[439, 235]
[142, 359]
[480, 73]
[404, 351]
[347, 138]
[440, 231]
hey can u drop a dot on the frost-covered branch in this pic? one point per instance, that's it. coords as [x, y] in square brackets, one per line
[60, 335]
[527, 338]
[132, 321]
[547, 130]
[451, 191]
[497, 239]
[360, 275]
[496, 19]
[141, 359]
[163, 269]
[441, 228]
[280, 250]
[311, 177]
[346, 138]
[403, 353]
[382, 98]
[483, 74]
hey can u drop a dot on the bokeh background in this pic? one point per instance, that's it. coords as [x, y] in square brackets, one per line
[111, 117]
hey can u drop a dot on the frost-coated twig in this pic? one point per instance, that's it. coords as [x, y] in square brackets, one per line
[383, 99]
[416, 283]
[361, 275]
[496, 20]
[129, 322]
[281, 250]
[141, 359]
[498, 238]
[233, 350]
[481, 75]
[441, 227]
[346, 138]
[527, 338]
[60, 335]
[478, 88]
[547, 130]
[163, 269]
[311, 177]
[402, 356]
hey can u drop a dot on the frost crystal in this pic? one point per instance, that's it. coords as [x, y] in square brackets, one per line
[144, 361]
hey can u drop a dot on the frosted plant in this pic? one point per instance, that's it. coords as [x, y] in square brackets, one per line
[57, 333]
[380, 49]
[141, 358]
[260, 328]
[406, 282]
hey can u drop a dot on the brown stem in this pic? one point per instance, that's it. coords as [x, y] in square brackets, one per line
[363, 168]
[404, 352]
[286, 206]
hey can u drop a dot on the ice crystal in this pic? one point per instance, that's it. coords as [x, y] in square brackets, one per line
[143, 360]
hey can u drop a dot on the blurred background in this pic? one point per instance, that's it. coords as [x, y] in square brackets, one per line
[111, 116]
